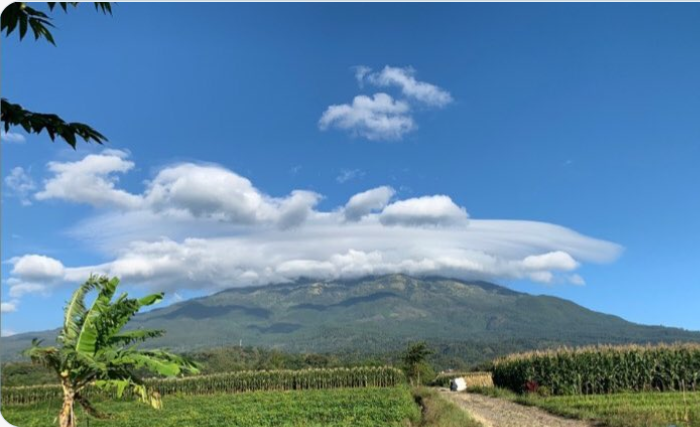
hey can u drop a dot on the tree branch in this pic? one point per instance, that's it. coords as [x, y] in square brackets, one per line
[15, 115]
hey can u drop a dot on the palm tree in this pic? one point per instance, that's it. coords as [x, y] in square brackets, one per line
[93, 350]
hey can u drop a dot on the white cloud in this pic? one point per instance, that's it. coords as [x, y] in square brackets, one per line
[8, 307]
[212, 192]
[327, 248]
[295, 209]
[541, 276]
[12, 138]
[361, 72]
[19, 288]
[437, 210]
[373, 117]
[34, 274]
[576, 279]
[7, 333]
[206, 191]
[349, 174]
[362, 204]
[36, 268]
[187, 190]
[20, 184]
[205, 227]
[557, 260]
[381, 116]
[404, 78]
[91, 180]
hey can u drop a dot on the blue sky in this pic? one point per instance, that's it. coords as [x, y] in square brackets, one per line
[574, 125]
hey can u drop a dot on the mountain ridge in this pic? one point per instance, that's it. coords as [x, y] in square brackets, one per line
[376, 314]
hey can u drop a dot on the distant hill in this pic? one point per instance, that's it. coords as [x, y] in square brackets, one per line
[472, 321]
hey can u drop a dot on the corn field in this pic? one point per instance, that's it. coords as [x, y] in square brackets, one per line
[602, 369]
[233, 382]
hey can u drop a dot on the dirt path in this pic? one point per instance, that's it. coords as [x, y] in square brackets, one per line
[492, 412]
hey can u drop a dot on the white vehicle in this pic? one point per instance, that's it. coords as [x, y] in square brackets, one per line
[458, 384]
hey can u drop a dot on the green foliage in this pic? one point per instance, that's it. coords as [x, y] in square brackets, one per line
[212, 361]
[233, 382]
[15, 115]
[651, 409]
[416, 353]
[369, 407]
[415, 362]
[228, 359]
[18, 374]
[93, 351]
[22, 17]
[602, 369]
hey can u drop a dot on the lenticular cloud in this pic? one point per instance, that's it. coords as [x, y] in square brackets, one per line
[205, 227]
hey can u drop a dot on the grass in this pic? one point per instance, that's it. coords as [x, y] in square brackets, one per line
[438, 412]
[392, 407]
[646, 409]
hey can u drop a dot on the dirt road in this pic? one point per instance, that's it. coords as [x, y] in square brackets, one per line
[492, 412]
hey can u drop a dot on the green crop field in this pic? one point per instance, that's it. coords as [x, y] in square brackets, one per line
[393, 406]
[643, 409]
[628, 409]
[231, 382]
[602, 369]
[616, 386]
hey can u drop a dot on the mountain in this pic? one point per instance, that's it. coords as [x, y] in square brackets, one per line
[472, 321]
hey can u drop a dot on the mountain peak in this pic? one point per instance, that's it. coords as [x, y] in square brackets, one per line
[375, 314]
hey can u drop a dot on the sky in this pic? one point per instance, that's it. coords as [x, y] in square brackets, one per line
[551, 148]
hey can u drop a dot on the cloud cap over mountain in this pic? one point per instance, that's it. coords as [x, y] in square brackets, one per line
[203, 226]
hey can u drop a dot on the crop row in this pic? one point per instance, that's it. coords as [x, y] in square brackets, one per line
[233, 382]
[602, 369]
[367, 407]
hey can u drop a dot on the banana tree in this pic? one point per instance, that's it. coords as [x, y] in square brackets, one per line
[94, 350]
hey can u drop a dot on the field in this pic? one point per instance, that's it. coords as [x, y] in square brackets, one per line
[628, 386]
[602, 370]
[650, 409]
[366, 407]
[232, 382]
[618, 386]
[641, 409]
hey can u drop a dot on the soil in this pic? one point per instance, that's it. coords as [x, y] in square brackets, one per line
[493, 412]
